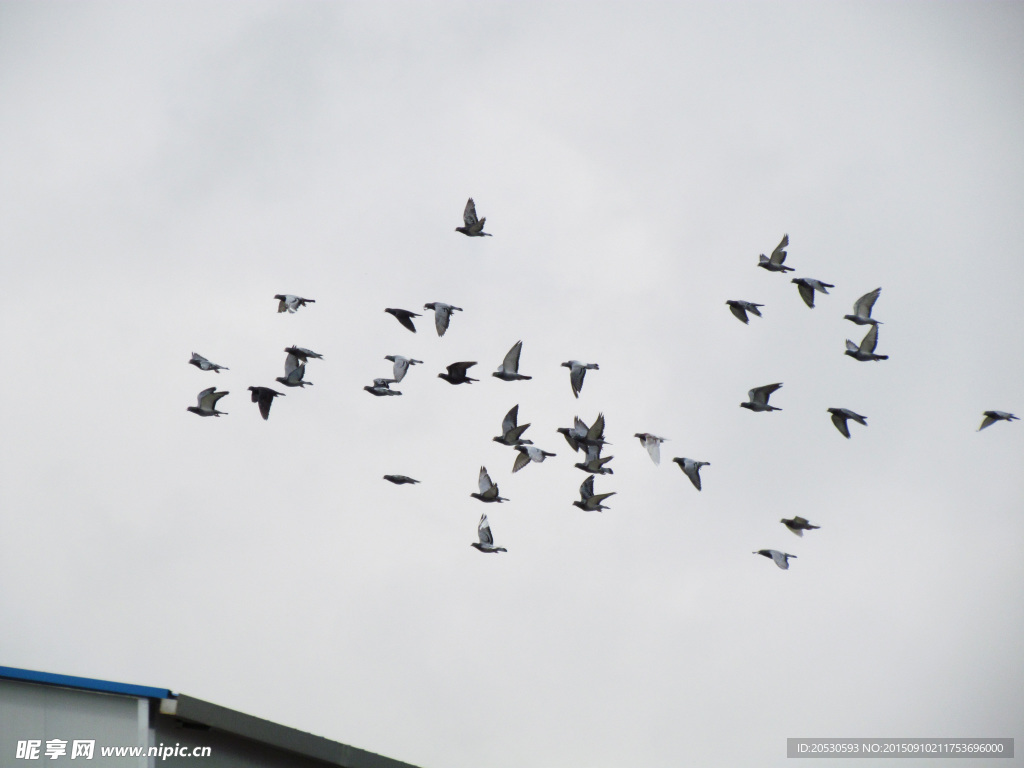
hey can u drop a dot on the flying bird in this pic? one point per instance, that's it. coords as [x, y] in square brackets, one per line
[286, 302]
[781, 558]
[807, 286]
[991, 417]
[528, 453]
[399, 479]
[866, 350]
[652, 443]
[473, 227]
[203, 364]
[577, 371]
[862, 309]
[774, 264]
[798, 525]
[740, 309]
[207, 403]
[264, 396]
[401, 365]
[442, 315]
[509, 368]
[294, 371]
[589, 501]
[486, 539]
[511, 433]
[595, 464]
[457, 373]
[758, 398]
[382, 388]
[303, 354]
[574, 434]
[691, 469]
[488, 489]
[404, 316]
[841, 415]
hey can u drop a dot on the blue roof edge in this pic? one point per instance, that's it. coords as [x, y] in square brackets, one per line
[85, 683]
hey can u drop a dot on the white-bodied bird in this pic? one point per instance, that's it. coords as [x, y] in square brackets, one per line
[287, 302]
[401, 365]
[652, 443]
[577, 371]
[528, 453]
[203, 364]
[442, 315]
[691, 469]
[781, 558]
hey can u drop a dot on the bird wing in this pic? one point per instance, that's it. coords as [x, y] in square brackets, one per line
[587, 488]
[509, 422]
[469, 215]
[210, 400]
[989, 420]
[521, 461]
[458, 370]
[653, 446]
[740, 312]
[401, 367]
[511, 362]
[290, 364]
[851, 347]
[199, 358]
[692, 470]
[870, 340]
[442, 314]
[596, 431]
[484, 531]
[806, 293]
[264, 401]
[839, 419]
[206, 399]
[576, 374]
[779, 254]
[862, 307]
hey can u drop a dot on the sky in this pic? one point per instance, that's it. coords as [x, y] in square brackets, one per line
[169, 167]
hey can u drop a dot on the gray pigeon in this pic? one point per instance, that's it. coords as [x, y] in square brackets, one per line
[401, 365]
[758, 398]
[488, 489]
[264, 396]
[473, 228]
[577, 371]
[781, 558]
[740, 309]
[595, 464]
[574, 434]
[486, 539]
[399, 479]
[442, 315]
[509, 368]
[589, 501]
[203, 364]
[404, 316]
[652, 443]
[774, 264]
[691, 469]
[382, 388]
[207, 403]
[862, 309]
[287, 302]
[511, 433]
[303, 354]
[841, 415]
[528, 453]
[457, 373]
[991, 417]
[866, 350]
[798, 525]
[294, 371]
[807, 286]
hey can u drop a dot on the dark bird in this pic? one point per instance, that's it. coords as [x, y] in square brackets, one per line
[400, 365]
[528, 453]
[457, 373]
[798, 525]
[691, 469]
[382, 388]
[781, 558]
[207, 403]
[442, 315]
[991, 417]
[758, 398]
[862, 309]
[774, 264]
[652, 443]
[294, 371]
[511, 433]
[399, 479]
[740, 309]
[488, 489]
[589, 501]
[841, 415]
[574, 434]
[264, 396]
[807, 286]
[286, 302]
[595, 464]
[866, 350]
[509, 368]
[473, 227]
[404, 316]
[203, 364]
[486, 539]
[303, 354]
[577, 371]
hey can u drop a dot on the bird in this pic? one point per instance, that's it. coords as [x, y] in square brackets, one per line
[382, 388]
[595, 464]
[203, 364]
[473, 227]
[486, 538]
[740, 308]
[841, 415]
[511, 434]
[303, 354]
[774, 264]
[798, 525]
[488, 489]
[290, 303]
[807, 286]
[442, 315]
[991, 417]
[509, 368]
[401, 365]
[862, 309]
[866, 350]
[404, 316]
[265, 397]
[759, 398]
[577, 371]
[207, 403]
[457, 373]
[781, 558]
[589, 501]
[574, 434]
[652, 443]
[294, 371]
[528, 453]
[691, 469]
[399, 479]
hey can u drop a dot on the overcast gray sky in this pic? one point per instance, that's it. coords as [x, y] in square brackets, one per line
[168, 167]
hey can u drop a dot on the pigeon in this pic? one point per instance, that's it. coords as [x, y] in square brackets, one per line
[286, 302]
[574, 434]
[807, 286]
[207, 403]
[991, 417]
[509, 368]
[457, 373]
[589, 502]
[774, 264]
[798, 525]
[841, 415]
[691, 469]
[781, 558]
[293, 373]
[381, 388]
[862, 309]
[303, 354]
[594, 464]
[511, 434]
[577, 371]
[528, 453]
[866, 350]
[203, 364]
[473, 227]
[652, 443]
[399, 479]
[486, 539]
[404, 316]
[759, 398]
[442, 315]
[595, 434]
[265, 397]
[740, 309]
[401, 366]
[488, 490]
